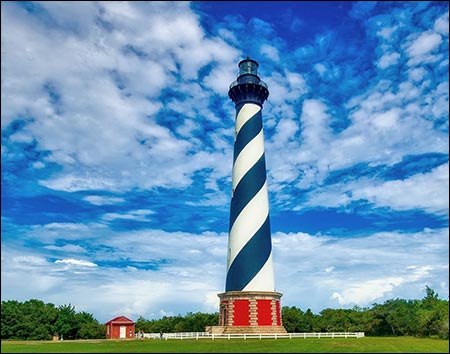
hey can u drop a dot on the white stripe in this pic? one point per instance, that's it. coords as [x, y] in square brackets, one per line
[247, 111]
[248, 157]
[248, 222]
[264, 280]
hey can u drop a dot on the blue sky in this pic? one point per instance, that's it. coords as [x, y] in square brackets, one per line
[117, 145]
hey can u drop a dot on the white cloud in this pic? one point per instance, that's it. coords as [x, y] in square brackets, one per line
[387, 117]
[49, 233]
[417, 74]
[30, 260]
[366, 292]
[21, 137]
[63, 226]
[315, 130]
[424, 191]
[189, 266]
[195, 265]
[66, 248]
[76, 262]
[386, 120]
[137, 215]
[357, 271]
[426, 42]
[320, 68]
[220, 78]
[441, 24]
[103, 200]
[427, 191]
[38, 165]
[270, 51]
[388, 59]
[74, 183]
[387, 32]
[108, 79]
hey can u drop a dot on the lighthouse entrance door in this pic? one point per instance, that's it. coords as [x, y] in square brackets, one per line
[223, 317]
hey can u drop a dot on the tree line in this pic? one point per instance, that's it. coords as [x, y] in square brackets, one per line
[36, 320]
[428, 317]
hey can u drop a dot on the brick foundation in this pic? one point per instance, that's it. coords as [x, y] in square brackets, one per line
[249, 312]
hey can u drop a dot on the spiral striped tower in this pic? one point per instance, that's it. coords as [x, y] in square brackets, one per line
[250, 303]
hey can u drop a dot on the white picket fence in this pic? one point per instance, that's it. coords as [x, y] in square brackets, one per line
[207, 335]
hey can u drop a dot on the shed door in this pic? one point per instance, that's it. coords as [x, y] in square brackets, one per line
[123, 332]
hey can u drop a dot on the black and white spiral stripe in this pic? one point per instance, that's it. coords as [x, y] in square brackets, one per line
[249, 266]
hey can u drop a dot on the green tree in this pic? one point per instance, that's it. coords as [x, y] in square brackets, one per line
[196, 322]
[311, 322]
[89, 328]
[361, 320]
[66, 324]
[433, 316]
[11, 313]
[32, 319]
[291, 318]
[38, 319]
[143, 325]
[35, 320]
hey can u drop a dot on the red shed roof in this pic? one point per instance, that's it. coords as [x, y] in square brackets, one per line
[120, 320]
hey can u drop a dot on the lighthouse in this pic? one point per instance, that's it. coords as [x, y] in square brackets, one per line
[250, 303]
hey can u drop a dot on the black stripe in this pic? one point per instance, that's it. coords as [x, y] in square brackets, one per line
[247, 188]
[248, 131]
[250, 259]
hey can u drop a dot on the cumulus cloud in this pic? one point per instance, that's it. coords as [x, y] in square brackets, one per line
[388, 59]
[102, 200]
[192, 267]
[76, 262]
[441, 24]
[69, 248]
[270, 51]
[137, 215]
[426, 42]
[422, 191]
[360, 270]
[117, 129]
[366, 292]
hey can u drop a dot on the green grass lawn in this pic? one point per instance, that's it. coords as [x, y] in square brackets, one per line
[297, 345]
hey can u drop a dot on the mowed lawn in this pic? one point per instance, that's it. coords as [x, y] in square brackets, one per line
[297, 345]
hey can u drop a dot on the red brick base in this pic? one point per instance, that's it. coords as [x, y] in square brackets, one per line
[251, 311]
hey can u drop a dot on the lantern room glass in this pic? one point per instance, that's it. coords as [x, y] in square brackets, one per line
[248, 66]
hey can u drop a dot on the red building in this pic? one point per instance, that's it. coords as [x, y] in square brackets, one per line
[119, 327]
